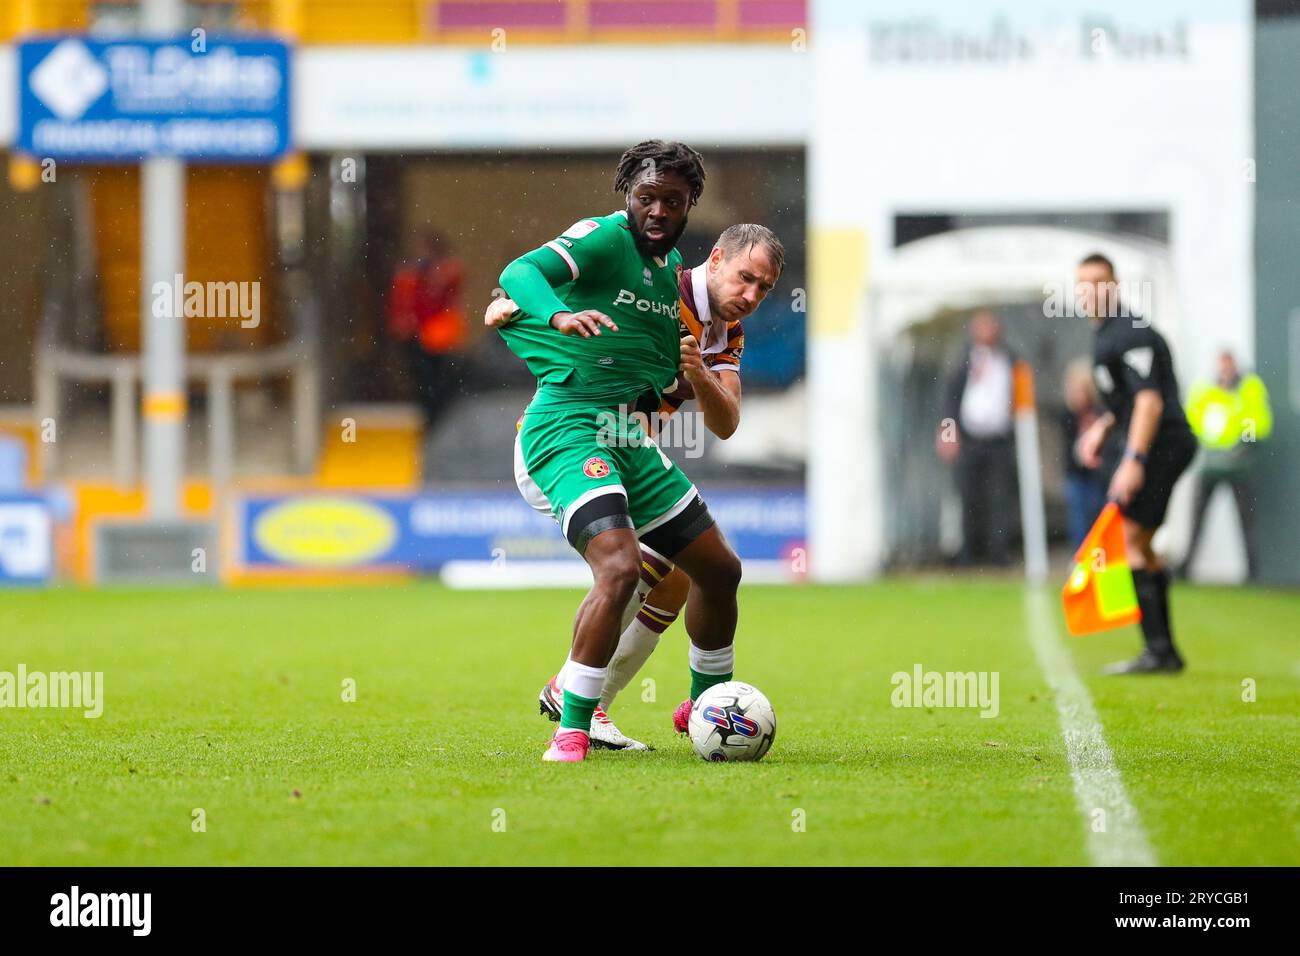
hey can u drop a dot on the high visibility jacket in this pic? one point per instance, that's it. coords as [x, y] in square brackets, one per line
[433, 318]
[1223, 417]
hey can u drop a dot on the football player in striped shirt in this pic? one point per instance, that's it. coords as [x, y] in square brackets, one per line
[716, 296]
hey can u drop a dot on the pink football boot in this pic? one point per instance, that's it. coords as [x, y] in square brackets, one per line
[682, 716]
[568, 746]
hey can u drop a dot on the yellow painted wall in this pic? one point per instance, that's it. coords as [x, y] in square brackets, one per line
[226, 240]
[96, 501]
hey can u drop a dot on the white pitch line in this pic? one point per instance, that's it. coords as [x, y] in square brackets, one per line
[1097, 783]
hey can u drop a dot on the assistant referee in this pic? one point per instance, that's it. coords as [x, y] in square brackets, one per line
[1143, 442]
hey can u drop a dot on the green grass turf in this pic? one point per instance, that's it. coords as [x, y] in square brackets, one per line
[231, 701]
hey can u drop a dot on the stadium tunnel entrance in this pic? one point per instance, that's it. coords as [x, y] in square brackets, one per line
[921, 303]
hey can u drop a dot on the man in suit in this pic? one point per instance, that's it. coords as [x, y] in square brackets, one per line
[977, 435]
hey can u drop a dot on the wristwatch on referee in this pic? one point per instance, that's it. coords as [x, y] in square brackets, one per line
[1139, 457]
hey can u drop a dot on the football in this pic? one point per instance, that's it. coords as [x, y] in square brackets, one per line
[732, 721]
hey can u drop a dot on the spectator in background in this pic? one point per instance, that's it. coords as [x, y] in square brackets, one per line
[976, 433]
[425, 314]
[1228, 417]
[1085, 488]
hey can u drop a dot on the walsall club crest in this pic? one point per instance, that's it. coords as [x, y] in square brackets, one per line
[595, 467]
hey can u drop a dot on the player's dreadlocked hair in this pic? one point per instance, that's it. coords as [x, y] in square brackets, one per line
[660, 156]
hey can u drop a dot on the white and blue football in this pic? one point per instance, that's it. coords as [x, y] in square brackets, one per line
[732, 721]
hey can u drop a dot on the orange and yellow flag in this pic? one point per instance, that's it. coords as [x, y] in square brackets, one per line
[1099, 594]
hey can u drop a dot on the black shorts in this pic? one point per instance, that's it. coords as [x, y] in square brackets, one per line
[667, 539]
[1168, 458]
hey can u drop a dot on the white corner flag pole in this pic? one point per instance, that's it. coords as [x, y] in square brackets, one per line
[1033, 523]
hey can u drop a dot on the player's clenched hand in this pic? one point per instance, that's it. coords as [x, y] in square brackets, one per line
[691, 362]
[585, 323]
[499, 312]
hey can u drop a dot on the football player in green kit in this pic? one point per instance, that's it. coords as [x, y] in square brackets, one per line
[598, 326]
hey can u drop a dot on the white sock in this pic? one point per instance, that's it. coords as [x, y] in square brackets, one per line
[633, 605]
[629, 615]
[583, 680]
[635, 646]
[721, 661]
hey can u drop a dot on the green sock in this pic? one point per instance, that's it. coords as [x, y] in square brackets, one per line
[702, 682]
[577, 711]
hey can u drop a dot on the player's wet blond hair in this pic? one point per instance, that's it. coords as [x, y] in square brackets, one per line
[740, 237]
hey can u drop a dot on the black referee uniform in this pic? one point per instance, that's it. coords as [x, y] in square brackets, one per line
[1129, 357]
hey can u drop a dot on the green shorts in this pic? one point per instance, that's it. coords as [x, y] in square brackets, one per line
[594, 469]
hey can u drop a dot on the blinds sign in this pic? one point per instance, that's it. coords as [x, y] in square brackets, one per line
[126, 100]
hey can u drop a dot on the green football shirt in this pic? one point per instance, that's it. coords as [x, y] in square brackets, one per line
[595, 264]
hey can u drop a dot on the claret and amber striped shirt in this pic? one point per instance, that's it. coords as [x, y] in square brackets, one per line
[721, 343]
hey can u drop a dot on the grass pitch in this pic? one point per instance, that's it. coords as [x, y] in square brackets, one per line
[231, 703]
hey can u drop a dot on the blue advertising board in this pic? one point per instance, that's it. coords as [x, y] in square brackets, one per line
[124, 100]
[26, 540]
[334, 531]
